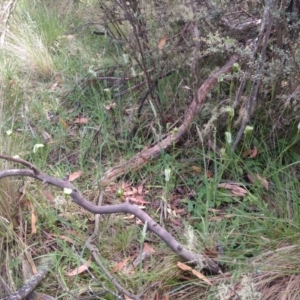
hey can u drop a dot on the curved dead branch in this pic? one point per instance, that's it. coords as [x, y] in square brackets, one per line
[141, 158]
[126, 207]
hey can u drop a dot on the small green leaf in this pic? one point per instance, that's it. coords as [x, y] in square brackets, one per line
[230, 111]
[37, 146]
[167, 174]
[236, 67]
[228, 137]
[248, 129]
[126, 58]
[120, 192]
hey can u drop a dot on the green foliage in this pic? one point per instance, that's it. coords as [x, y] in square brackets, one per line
[55, 70]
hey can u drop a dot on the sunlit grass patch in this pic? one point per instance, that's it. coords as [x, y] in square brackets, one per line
[26, 46]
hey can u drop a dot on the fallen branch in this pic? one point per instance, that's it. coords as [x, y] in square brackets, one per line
[141, 158]
[94, 250]
[203, 261]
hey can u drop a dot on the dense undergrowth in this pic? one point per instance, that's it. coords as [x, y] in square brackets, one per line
[71, 90]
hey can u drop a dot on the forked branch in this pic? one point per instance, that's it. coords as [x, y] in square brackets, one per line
[202, 260]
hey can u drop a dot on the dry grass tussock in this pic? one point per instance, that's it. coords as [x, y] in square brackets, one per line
[26, 47]
[278, 276]
[275, 277]
[10, 210]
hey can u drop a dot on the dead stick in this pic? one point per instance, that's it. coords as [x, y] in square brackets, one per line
[77, 197]
[141, 158]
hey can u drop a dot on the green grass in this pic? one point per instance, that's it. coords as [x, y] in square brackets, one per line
[47, 79]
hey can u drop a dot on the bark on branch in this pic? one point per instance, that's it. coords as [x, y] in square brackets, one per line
[141, 158]
[202, 260]
[136, 162]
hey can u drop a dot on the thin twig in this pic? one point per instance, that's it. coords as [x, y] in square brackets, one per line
[126, 207]
[95, 254]
[262, 42]
[22, 162]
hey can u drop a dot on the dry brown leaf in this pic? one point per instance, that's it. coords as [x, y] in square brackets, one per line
[254, 153]
[221, 217]
[235, 189]
[130, 193]
[180, 190]
[63, 123]
[214, 210]
[129, 217]
[175, 222]
[140, 189]
[202, 277]
[75, 233]
[216, 218]
[113, 187]
[137, 199]
[125, 185]
[74, 175]
[54, 86]
[178, 211]
[80, 269]
[11, 83]
[250, 153]
[65, 238]
[247, 153]
[158, 296]
[165, 297]
[33, 219]
[238, 191]
[139, 222]
[262, 180]
[184, 267]
[211, 253]
[48, 196]
[162, 43]
[46, 136]
[119, 266]
[127, 298]
[68, 238]
[148, 249]
[110, 105]
[209, 174]
[196, 169]
[251, 178]
[47, 114]
[81, 120]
